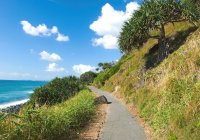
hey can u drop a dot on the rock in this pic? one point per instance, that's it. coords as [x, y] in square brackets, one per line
[12, 109]
[101, 100]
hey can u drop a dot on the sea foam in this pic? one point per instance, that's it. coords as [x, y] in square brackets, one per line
[13, 103]
[30, 91]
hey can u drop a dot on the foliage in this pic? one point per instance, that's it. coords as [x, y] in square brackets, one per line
[56, 91]
[105, 66]
[197, 2]
[154, 15]
[105, 75]
[166, 96]
[62, 121]
[100, 79]
[88, 77]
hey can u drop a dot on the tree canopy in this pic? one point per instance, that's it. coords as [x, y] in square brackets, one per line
[155, 14]
[56, 91]
[88, 77]
[106, 65]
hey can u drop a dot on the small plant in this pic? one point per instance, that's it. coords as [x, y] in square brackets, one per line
[172, 137]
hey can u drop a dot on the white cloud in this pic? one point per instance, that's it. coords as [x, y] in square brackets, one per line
[62, 37]
[50, 57]
[53, 67]
[80, 69]
[54, 30]
[108, 25]
[42, 30]
[108, 41]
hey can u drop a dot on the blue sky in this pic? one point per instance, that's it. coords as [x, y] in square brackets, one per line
[41, 39]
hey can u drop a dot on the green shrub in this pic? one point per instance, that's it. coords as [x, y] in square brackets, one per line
[114, 69]
[88, 77]
[101, 78]
[61, 121]
[56, 91]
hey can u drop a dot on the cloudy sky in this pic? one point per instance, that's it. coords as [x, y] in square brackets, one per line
[41, 39]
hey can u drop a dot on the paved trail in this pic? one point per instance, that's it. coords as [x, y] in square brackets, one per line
[120, 124]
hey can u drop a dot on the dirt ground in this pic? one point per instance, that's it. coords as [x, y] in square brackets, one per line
[93, 130]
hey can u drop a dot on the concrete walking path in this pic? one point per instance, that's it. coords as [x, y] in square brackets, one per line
[120, 124]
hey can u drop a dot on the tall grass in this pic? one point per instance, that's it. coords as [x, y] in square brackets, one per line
[61, 121]
[166, 95]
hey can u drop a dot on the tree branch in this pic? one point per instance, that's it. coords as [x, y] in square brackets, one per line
[154, 36]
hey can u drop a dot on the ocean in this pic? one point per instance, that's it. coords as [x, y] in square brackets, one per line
[13, 92]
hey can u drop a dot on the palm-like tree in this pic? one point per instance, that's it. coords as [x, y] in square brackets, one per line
[155, 14]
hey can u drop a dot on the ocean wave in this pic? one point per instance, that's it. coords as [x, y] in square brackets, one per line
[29, 91]
[13, 103]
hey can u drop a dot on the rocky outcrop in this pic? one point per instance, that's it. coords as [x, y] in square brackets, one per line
[12, 109]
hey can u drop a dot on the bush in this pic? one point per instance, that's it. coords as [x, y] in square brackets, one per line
[114, 69]
[56, 91]
[101, 78]
[62, 121]
[88, 77]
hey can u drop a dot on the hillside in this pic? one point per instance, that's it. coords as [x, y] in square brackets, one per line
[166, 93]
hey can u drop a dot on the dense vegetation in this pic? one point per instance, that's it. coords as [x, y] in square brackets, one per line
[57, 91]
[104, 66]
[57, 110]
[108, 70]
[61, 121]
[88, 77]
[165, 94]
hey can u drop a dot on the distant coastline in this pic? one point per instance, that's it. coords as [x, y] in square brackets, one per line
[13, 107]
[24, 80]
[15, 93]
[15, 103]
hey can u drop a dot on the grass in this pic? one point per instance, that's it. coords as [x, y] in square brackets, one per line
[166, 95]
[61, 121]
[105, 75]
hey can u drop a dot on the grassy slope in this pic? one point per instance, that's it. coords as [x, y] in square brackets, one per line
[168, 95]
[61, 121]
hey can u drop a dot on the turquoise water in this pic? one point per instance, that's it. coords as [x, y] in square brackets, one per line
[12, 91]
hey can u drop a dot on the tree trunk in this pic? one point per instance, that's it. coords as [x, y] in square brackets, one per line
[163, 45]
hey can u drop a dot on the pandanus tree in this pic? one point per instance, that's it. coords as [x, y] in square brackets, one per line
[154, 15]
[197, 2]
